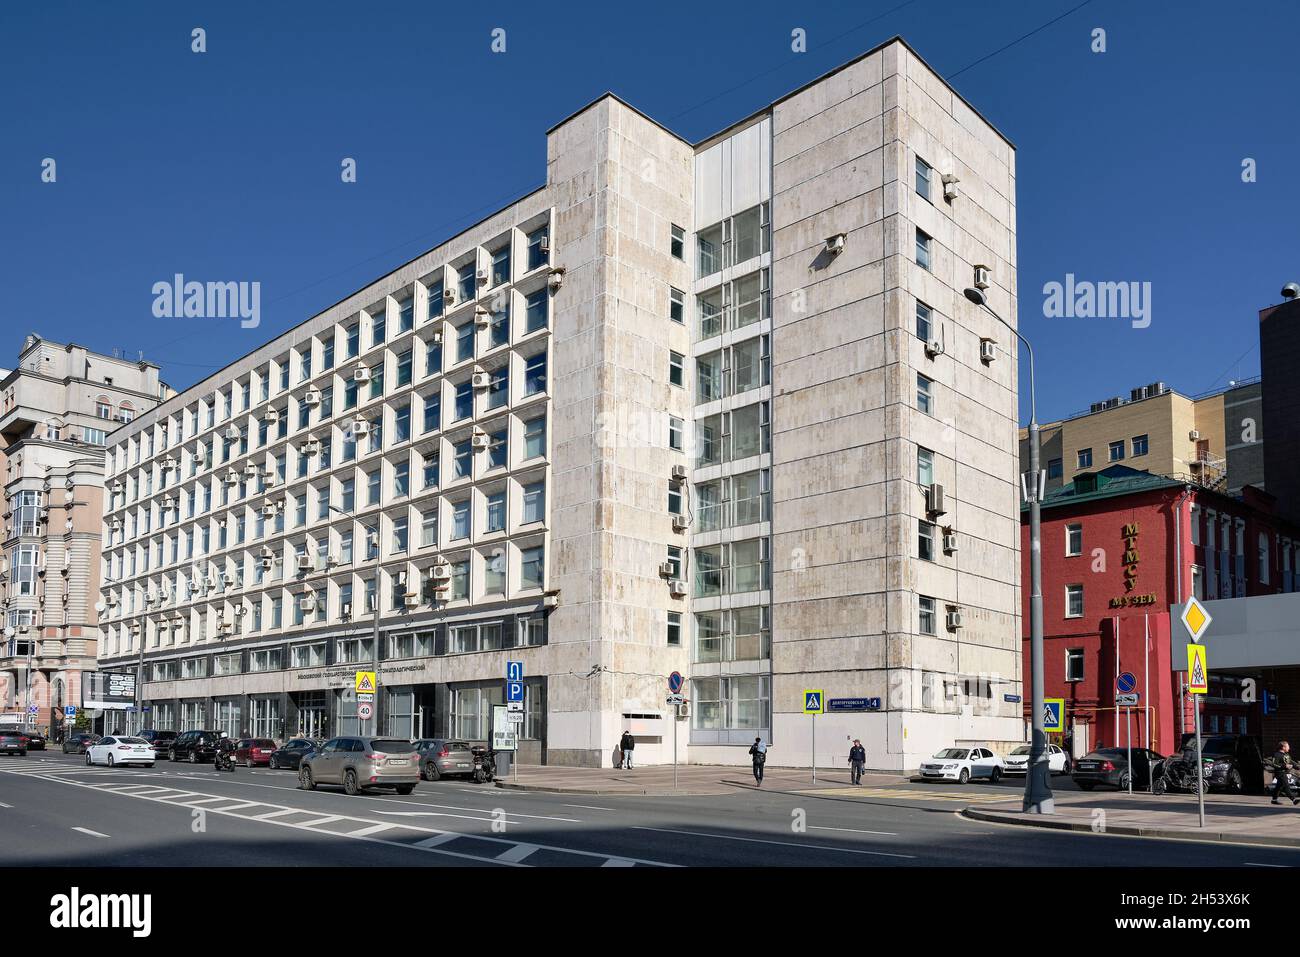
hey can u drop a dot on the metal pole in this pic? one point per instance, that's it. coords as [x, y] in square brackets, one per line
[677, 711]
[1200, 779]
[374, 643]
[814, 747]
[1128, 736]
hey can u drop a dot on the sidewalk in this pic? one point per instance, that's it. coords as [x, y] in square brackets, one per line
[693, 779]
[1244, 819]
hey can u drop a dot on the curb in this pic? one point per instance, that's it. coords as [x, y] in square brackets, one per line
[606, 792]
[1129, 830]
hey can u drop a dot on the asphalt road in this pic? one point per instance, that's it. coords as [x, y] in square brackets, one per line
[55, 811]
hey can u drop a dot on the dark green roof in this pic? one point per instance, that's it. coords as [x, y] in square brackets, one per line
[1106, 483]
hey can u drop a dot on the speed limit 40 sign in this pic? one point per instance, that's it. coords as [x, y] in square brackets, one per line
[365, 711]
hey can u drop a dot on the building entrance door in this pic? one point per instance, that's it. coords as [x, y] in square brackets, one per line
[313, 715]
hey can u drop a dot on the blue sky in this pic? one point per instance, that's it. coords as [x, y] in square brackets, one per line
[225, 165]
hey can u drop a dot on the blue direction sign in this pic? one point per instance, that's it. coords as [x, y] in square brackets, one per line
[1125, 682]
[853, 704]
[514, 671]
[514, 691]
[675, 682]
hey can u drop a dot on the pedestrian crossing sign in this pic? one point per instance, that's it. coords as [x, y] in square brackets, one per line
[814, 702]
[1197, 670]
[1054, 715]
[365, 682]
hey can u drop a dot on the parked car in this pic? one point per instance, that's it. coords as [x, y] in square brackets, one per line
[443, 757]
[160, 741]
[290, 756]
[194, 746]
[1017, 762]
[254, 752]
[114, 750]
[1237, 766]
[360, 763]
[13, 742]
[963, 764]
[78, 741]
[35, 740]
[1109, 766]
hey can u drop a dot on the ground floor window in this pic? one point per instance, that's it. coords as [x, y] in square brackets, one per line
[193, 715]
[313, 714]
[227, 716]
[268, 718]
[534, 727]
[471, 710]
[164, 716]
[399, 713]
[345, 707]
[739, 702]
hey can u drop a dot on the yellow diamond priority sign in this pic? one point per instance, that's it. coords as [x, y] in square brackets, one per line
[1196, 619]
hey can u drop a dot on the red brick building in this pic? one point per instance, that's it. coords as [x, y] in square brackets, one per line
[1119, 547]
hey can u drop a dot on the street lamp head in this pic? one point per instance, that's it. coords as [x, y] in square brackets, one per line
[976, 296]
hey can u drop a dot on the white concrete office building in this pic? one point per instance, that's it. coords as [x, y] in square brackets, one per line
[715, 408]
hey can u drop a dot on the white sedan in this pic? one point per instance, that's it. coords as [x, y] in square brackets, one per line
[113, 750]
[1018, 760]
[962, 764]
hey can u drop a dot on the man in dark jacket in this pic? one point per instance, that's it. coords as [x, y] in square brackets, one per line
[758, 753]
[626, 744]
[857, 758]
[1282, 763]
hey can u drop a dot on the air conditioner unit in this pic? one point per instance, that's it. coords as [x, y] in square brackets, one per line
[266, 563]
[266, 552]
[480, 440]
[307, 602]
[112, 601]
[311, 397]
[680, 523]
[987, 350]
[550, 601]
[677, 588]
[440, 573]
[949, 540]
[250, 470]
[436, 338]
[411, 600]
[950, 186]
[954, 619]
[481, 380]
[679, 474]
[116, 488]
[934, 347]
[481, 316]
[196, 585]
[835, 244]
[271, 415]
[231, 477]
[168, 464]
[268, 510]
[168, 503]
[359, 428]
[667, 569]
[304, 563]
[684, 709]
[361, 374]
[1194, 435]
[232, 433]
[115, 524]
[150, 598]
[310, 447]
[556, 278]
[449, 296]
[934, 503]
[544, 244]
[223, 626]
[345, 610]
[45, 515]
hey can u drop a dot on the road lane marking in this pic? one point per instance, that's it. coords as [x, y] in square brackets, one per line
[274, 814]
[430, 842]
[618, 862]
[588, 807]
[2, 804]
[852, 830]
[506, 819]
[756, 840]
[517, 853]
[86, 830]
[327, 819]
[1253, 864]
[372, 829]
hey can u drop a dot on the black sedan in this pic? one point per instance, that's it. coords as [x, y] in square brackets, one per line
[78, 742]
[35, 740]
[291, 755]
[1109, 766]
[13, 742]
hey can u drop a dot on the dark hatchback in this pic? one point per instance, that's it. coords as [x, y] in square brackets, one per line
[79, 741]
[35, 740]
[291, 755]
[160, 741]
[194, 746]
[13, 742]
[1109, 766]
[1236, 766]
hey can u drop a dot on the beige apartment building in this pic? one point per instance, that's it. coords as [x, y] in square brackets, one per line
[712, 408]
[57, 409]
[1215, 440]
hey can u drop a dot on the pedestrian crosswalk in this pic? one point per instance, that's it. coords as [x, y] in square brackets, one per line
[481, 848]
[962, 796]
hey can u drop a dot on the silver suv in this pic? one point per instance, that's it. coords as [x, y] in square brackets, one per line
[360, 763]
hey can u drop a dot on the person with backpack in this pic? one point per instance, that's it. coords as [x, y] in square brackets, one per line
[857, 758]
[758, 753]
[1282, 765]
[627, 744]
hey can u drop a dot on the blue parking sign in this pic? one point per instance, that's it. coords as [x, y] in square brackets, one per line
[514, 691]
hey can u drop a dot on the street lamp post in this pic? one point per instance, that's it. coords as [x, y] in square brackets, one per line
[372, 533]
[1038, 789]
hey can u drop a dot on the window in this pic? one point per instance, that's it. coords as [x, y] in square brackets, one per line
[465, 342]
[399, 535]
[675, 441]
[464, 404]
[378, 326]
[354, 341]
[1116, 450]
[676, 304]
[429, 528]
[460, 580]
[435, 299]
[538, 248]
[535, 374]
[1054, 469]
[1263, 558]
[534, 503]
[924, 467]
[404, 368]
[432, 358]
[1084, 458]
[1139, 445]
[922, 321]
[464, 458]
[501, 265]
[494, 573]
[924, 173]
[496, 512]
[1074, 664]
[531, 567]
[925, 541]
[924, 399]
[925, 617]
[467, 282]
[349, 495]
[499, 326]
[402, 423]
[497, 449]
[103, 410]
[460, 521]
[1073, 601]
[709, 250]
[537, 307]
[676, 368]
[498, 393]
[674, 637]
[327, 356]
[1073, 540]
[431, 470]
[372, 488]
[677, 242]
[922, 250]
[92, 436]
[402, 479]
[432, 411]
[535, 437]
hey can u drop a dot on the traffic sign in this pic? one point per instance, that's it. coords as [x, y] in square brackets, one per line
[1127, 700]
[1125, 682]
[1198, 669]
[32, 709]
[514, 671]
[365, 710]
[676, 698]
[1054, 714]
[514, 691]
[675, 682]
[70, 711]
[366, 682]
[1195, 619]
[813, 700]
[515, 706]
[515, 717]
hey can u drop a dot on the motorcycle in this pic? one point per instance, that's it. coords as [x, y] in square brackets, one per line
[1178, 774]
[224, 761]
[485, 765]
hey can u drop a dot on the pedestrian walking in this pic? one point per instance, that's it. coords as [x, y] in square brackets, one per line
[1282, 766]
[758, 752]
[627, 744]
[857, 758]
